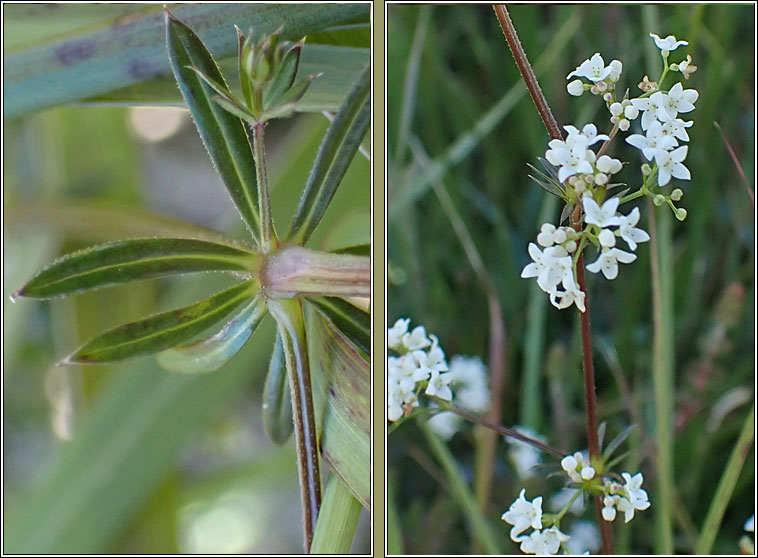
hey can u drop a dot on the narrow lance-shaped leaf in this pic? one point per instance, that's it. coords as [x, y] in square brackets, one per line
[352, 321]
[356, 250]
[213, 352]
[222, 133]
[342, 388]
[284, 77]
[164, 330]
[337, 150]
[277, 403]
[130, 260]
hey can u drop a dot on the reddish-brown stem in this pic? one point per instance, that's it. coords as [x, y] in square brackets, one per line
[589, 370]
[530, 79]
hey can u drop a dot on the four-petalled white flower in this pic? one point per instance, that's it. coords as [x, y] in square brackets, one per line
[523, 514]
[668, 44]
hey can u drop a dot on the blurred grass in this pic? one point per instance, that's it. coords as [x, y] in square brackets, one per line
[465, 67]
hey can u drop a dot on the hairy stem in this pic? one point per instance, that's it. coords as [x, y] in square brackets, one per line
[589, 371]
[264, 205]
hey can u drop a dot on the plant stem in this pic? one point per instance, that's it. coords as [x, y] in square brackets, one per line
[511, 433]
[589, 372]
[527, 73]
[289, 319]
[264, 205]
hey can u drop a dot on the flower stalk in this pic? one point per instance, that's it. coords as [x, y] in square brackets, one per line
[589, 374]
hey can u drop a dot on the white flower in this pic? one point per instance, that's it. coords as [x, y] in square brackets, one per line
[608, 260]
[584, 537]
[608, 164]
[677, 128]
[396, 332]
[604, 216]
[628, 231]
[609, 508]
[469, 381]
[636, 494]
[543, 543]
[593, 69]
[523, 514]
[438, 386]
[668, 44]
[616, 69]
[575, 88]
[653, 141]
[651, 107]
[551, 267]
[670, 164]
[445, 424]
[589, 132]
[416, 339]
[678, 100]
[524, 456]
[570, 160]
[564, 299]
[545, 237]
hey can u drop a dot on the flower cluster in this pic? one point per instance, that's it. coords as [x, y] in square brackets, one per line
[524, 515]
[582, 177]
[421, 365]
[468, 382]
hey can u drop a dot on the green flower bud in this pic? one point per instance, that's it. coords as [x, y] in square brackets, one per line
[659, 200]
[681, 214]
[677, 194]
[646, 170]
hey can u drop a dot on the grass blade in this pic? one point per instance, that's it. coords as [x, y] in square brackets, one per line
[341, 384]
[337, 520]
[726, 486]
[130, 260]
[126, 49]
[223, 134]
[337, 150]
[162, 331]
[213, 352]
[353, 322]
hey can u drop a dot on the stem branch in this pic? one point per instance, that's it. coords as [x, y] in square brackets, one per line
[264, 206]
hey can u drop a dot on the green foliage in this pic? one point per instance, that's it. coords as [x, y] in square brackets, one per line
[226, 139]
[460, 106]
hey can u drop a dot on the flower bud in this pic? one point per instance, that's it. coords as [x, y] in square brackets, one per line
[575, 88]
[681, 214]
[659, 200]
[601, 179]
[616, 109]
[646, 170]
[624, 124]
[602, 86]
[631, 112]
[608, 97]
[677, 194]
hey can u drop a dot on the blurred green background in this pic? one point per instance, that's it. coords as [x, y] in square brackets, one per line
[458, 116]
[130, 458]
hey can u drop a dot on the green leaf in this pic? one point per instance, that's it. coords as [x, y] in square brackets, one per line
[213, 352]
[337, 519]
[337, 150]
[222, 133]
[617, 441]
[284, 77]
[277, 403]
[339, 66]
[342, 390]
[352, 321]
[162, 331]
[126, 49]
[131, 260]
[357, 250]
